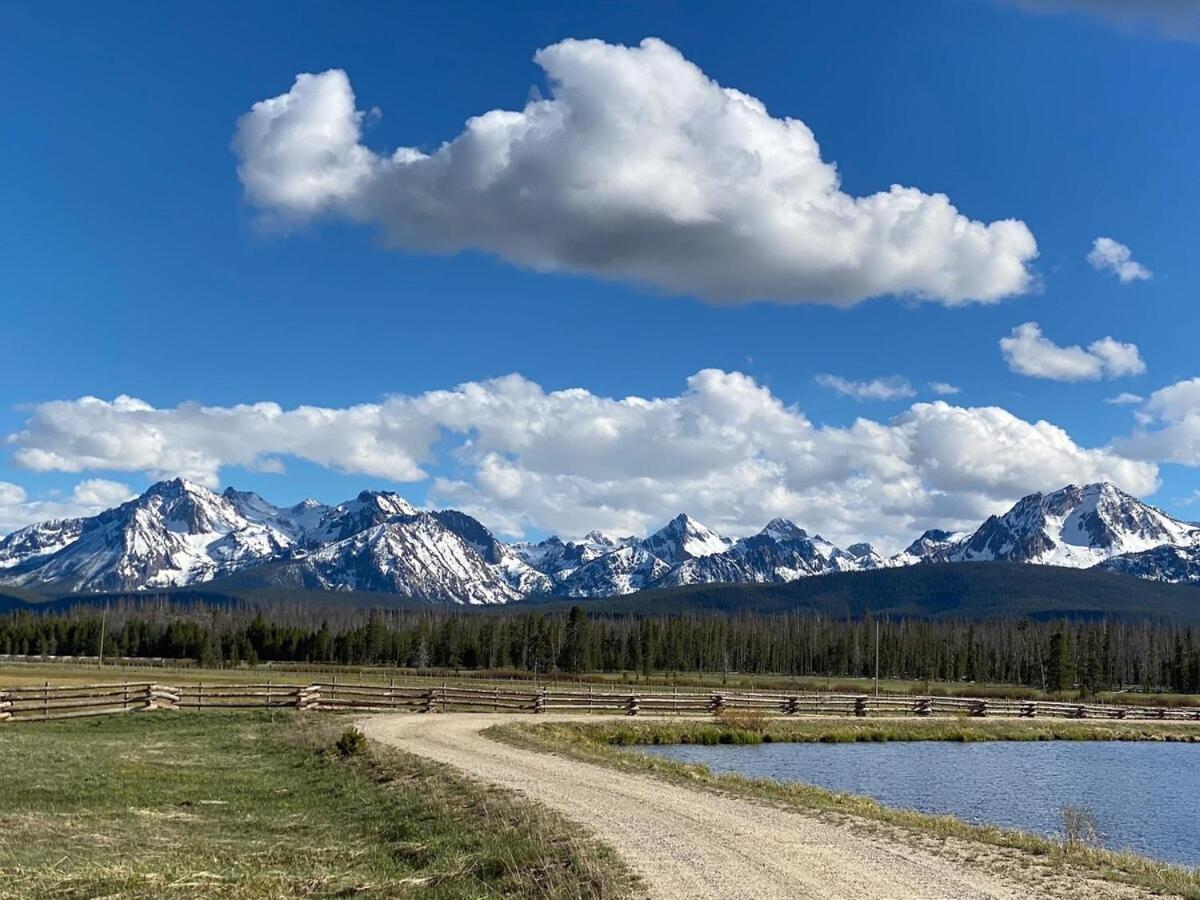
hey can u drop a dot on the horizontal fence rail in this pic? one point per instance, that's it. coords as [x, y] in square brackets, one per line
[48, 702]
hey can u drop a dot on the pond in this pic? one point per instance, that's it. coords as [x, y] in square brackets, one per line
[1143, 795]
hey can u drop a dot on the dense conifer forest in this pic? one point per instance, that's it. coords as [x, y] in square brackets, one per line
[1059, 655]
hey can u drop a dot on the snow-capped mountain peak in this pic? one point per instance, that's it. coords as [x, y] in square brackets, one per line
[1074, 526]
[414, 555]
[601, 541]
[784, 530]
[297, 522]
[684, 538]
[39, 540]
[933, 545]
[369, 508]
[177, 532]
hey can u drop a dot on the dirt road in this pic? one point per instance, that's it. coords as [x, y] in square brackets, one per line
[690, 843]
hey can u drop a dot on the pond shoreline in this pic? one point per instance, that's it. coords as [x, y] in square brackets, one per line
[1123, 795]
[601, 743]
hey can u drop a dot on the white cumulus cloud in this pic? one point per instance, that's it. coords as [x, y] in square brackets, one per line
[1124, 399]
[636, 167]
[1028, 352]
[87, 498]
[944, 389]
[1112, 256]
[1169, 426]
[724, 449]
[891, 388]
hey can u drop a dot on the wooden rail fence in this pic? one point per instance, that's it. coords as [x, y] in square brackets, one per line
[47, 702]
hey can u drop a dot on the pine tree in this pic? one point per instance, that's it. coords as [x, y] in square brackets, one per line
[573, 656]
[1059, 674]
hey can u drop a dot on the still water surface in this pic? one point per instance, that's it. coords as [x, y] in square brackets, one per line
[1145, 796]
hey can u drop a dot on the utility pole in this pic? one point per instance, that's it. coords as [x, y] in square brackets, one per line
[103, 620]
[876, 659]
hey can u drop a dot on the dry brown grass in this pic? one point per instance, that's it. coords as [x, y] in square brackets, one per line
[755, 720]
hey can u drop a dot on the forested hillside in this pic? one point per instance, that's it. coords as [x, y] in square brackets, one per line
[955, 590]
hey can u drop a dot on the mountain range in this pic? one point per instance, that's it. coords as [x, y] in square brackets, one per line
[180, 533]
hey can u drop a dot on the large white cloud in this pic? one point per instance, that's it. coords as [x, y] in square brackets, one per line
[1028, 352]
[637, 167]
[1169, 425]
[88, 497]
[725, 449]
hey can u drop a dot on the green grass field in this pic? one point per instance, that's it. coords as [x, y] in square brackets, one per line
[256, 805]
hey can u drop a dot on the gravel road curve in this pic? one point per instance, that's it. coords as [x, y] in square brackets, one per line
[690, 843]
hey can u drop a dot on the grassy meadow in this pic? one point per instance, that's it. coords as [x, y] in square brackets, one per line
[258, 805]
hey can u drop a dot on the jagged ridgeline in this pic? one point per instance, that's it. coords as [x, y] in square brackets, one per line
[181, 534]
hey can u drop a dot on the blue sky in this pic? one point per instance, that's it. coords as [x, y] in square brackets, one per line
[133, 263]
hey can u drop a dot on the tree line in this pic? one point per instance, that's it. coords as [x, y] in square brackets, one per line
[1057, 656]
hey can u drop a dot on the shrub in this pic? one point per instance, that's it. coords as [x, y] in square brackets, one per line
[352, 743]
[1078, 828]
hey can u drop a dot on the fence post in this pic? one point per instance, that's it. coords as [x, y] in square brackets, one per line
[539, 702]
[632, 706]
[309, 697]
[716, 703]
[860, 706]
[5, 706]
[46, 700]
